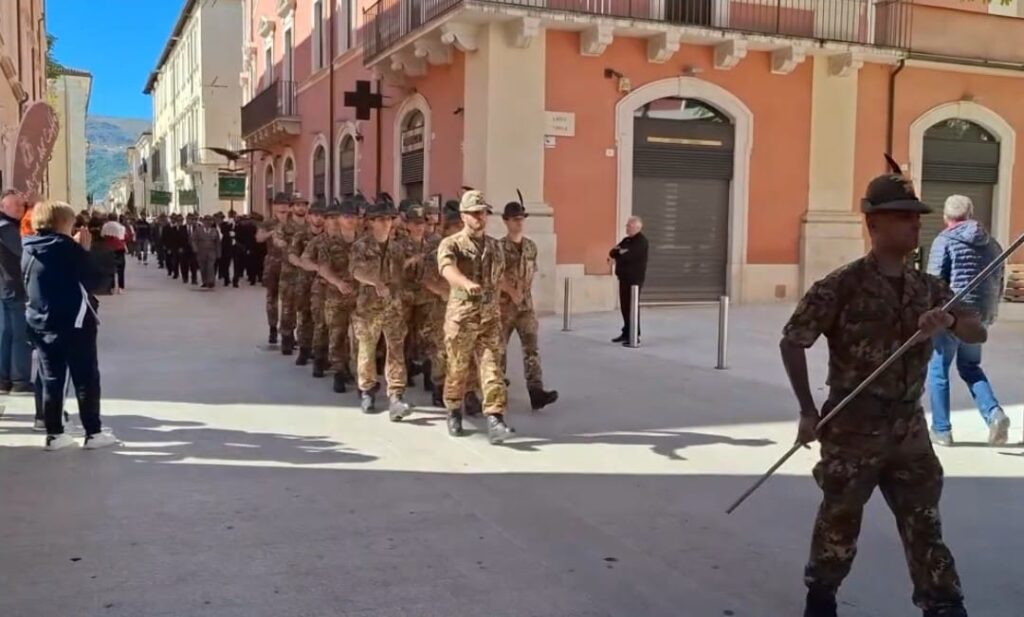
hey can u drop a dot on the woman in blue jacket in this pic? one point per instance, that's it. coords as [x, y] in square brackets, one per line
[62, 321]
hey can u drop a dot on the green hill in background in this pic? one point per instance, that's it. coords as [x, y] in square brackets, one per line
[109, 139]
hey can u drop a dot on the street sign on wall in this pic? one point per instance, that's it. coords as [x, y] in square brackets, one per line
[188, 198]
[160, 198]
[231, 186]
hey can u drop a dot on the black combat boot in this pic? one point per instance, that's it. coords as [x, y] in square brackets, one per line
[428, 378]
[339, 383]
[398, 409]
[437, 394]
[368, 401]
[410, 373]
[455, 423]
[820, 603]
[272, 339]
[303, 358]
[319, 367]
[471, 404]
[497, 430]
[541, 398]
[287, 344]
[958, 611]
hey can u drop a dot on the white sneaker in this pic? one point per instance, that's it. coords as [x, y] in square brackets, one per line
[39, 426]
[103, 439]
[59, 442]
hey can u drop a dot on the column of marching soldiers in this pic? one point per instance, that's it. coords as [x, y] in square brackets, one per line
[413, 290]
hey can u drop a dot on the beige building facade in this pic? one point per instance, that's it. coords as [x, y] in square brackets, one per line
[69, 96]
[196, 105]
[22, 71]
[138, 172]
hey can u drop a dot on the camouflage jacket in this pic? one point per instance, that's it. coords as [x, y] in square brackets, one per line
[286, 232]
[429, 271]
[297, 247]
[864, 319]
[412, 275]
[335, 253]
[382, 260]
[520, 266]
[479, 260]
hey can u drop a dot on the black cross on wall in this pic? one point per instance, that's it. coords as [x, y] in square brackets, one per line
[363, 100]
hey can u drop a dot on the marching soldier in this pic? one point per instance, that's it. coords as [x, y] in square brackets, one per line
[517, 303]
[377, 261]
[334, 265]
[415, 299]
[283, 236]
[305, 274]
[866, 310]
[472, 262]
[433, 215]
[432, 328]
[310, 260]
[271, 269]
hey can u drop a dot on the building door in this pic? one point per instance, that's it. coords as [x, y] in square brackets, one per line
[682, 171]
[347, 167]
[962, 158]
[412, 155]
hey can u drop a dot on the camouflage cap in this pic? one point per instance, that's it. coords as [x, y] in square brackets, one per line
[892, 193]
[473, 201]
[431, 208]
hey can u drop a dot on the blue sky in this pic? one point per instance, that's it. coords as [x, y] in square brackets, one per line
[118, 41]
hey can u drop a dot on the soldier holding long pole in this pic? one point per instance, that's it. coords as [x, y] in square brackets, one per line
[867, 310]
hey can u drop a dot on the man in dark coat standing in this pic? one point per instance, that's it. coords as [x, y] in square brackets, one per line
[630, 257]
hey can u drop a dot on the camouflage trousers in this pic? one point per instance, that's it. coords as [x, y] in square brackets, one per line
[317, 296]
[431, 335]
[859, 451]
[368, 328]
[338, 311]
[522, 321]
[302, 298]
[272, 281]
[287, 287]
[469, 338]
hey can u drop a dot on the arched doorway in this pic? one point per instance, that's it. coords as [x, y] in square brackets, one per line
[319, 172]
[412, 148]
[683, 152]
[347, 166]
[268, 187]
[289, 175]
[959, 157]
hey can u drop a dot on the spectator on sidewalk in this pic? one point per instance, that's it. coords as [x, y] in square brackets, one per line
[15, 353]
[114, 234]
[630, 257]
[143, 230]
[958, 254]
[62, 321]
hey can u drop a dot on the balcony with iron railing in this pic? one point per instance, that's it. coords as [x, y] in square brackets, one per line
[272, 115]
[869, 23]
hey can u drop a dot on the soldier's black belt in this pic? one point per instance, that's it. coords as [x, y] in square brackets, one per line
[462, 294]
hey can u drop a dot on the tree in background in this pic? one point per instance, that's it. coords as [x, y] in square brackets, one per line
[53, 68]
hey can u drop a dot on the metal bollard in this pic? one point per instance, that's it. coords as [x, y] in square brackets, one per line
[566, 305]
[723, 332]
[634, 316]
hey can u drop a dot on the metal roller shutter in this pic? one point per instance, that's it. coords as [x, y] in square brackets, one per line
[347, 182]
[412, 167]
[682, 162]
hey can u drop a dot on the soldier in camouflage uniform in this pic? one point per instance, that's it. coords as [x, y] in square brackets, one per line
[866, 310]
[432, 328]
[283, 236]
[318, 291]
[272, 261]
[472, 262]
[305, 276]
[377, 262]
[433, 216]
[340, 287]
[517, 303]
[416, 300]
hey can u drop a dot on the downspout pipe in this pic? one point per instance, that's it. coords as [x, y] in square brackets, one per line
[892, 105]
[331, 150]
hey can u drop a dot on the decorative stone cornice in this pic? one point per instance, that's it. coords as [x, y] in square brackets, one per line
[409, 64]
[433, 50]
[845, 64]
[523, 30]
[786, 59]
[662, 46]
[729, 53]
[267, 27]
[461, 36]
[285, 8]
[595, 39]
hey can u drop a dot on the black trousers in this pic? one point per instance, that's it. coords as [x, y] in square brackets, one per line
[243, 267]
[188, 266]
[73, 352]
[119, 262]
[224, 263]
[171, 257]
[625, 304]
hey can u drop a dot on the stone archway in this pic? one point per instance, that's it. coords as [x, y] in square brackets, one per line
[415, 102]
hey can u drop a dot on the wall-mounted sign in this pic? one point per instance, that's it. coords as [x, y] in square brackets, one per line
[560, 123]
[188, 198]
[231, 186]
[33, 147]
[160, 198]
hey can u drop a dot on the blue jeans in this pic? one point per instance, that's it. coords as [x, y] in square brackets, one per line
[15, 354]
[968, 364]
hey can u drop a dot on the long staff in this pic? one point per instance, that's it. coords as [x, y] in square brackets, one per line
[913, 340]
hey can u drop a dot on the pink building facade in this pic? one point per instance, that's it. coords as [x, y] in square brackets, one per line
[742, 132]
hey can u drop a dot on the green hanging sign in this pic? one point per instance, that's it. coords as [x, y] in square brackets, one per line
[160, 198]
[231, 186]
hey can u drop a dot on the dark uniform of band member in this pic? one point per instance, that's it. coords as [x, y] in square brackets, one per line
[866, 310]
[472, 262]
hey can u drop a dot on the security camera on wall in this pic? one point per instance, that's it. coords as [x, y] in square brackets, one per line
[625, 86]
